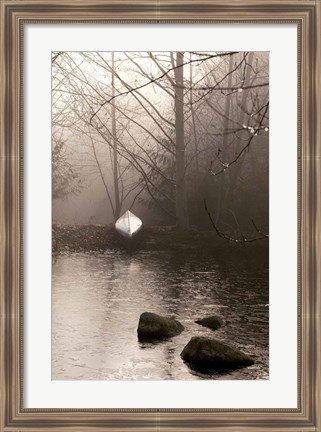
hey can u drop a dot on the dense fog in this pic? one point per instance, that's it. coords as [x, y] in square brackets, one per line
[179, 138]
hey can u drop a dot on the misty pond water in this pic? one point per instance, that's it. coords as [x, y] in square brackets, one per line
[97, 300]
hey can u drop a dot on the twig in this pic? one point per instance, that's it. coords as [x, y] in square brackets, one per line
[253, 134]
[262, 236]
[153, 80]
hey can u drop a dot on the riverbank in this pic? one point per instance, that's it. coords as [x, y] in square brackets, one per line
[91, 238]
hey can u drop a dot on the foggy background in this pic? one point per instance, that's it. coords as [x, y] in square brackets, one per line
[159, 133]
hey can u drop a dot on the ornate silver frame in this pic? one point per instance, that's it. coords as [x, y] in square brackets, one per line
[14, 15]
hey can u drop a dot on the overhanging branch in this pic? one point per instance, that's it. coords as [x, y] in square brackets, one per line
[242, 239]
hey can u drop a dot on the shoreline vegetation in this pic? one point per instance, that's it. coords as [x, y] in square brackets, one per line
[102, 237]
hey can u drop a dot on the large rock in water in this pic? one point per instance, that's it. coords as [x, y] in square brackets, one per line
[213, 322]
[211, 354]
[153, 326]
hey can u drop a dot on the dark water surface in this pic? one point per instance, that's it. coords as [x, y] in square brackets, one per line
[97, 300]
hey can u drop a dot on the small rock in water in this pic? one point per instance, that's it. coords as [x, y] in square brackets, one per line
[153, 326]
[213, 322]
[206, 353]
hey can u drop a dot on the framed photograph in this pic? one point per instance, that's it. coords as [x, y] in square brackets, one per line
[160, 220]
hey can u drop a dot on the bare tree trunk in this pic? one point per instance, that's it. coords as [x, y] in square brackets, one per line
[221, 199]
[181, 201]
[115, 150]
[194, 125]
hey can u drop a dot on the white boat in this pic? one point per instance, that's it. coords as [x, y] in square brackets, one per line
[128, 224]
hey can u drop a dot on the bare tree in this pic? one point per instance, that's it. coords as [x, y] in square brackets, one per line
[150, 127]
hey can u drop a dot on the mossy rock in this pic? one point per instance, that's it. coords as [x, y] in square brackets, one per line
[153, 326]
[206, 353]
[213, 322]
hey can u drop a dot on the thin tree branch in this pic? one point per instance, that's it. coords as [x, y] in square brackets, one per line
[243, 239]
[152, 80]
[255, 131]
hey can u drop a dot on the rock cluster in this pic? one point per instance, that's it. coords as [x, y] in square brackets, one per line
[201, 353]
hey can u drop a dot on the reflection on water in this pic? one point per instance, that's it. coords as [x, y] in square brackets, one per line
[97, 301]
